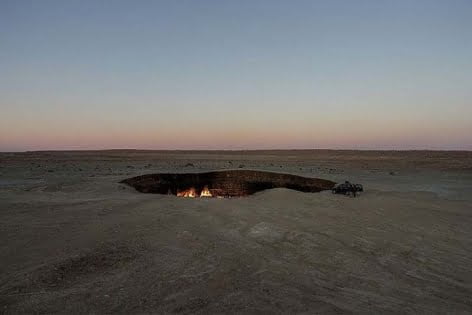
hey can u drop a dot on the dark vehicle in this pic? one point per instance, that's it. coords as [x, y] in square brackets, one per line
[347, 188]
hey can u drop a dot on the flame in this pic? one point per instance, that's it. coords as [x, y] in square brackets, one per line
[190, 193]
[206, 192]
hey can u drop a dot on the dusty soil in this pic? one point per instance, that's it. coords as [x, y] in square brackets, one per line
[75, 240]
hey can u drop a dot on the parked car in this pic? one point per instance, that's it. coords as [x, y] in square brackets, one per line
[348, 189]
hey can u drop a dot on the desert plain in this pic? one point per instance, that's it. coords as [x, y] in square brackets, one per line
[73, 239]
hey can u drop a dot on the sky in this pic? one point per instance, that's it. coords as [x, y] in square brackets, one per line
[247, 74]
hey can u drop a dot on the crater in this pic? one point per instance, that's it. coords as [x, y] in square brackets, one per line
[231, 183]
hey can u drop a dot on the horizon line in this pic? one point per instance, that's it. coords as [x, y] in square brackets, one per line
[236, 150]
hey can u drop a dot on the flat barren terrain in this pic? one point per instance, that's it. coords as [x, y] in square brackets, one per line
[73, 239]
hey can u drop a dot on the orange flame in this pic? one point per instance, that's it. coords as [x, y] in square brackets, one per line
[206, 192]
[190, 193]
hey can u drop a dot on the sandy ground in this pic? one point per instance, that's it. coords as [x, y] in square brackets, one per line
[74, 240]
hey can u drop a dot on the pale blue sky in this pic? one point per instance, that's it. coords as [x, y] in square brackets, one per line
[235, 74]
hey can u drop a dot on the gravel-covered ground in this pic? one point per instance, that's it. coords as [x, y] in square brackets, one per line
[74, 240]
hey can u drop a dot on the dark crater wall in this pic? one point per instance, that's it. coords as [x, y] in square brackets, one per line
[231, 183]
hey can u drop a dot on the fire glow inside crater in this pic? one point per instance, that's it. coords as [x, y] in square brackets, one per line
[232, 183]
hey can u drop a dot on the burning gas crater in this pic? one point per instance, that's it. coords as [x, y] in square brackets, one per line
[223, 184]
